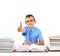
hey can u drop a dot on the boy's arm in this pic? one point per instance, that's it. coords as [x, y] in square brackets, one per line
[41, 42]
[20, 29]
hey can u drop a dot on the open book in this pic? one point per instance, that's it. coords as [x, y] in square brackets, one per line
[31, 48]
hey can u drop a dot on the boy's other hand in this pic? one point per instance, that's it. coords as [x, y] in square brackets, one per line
[26, 43]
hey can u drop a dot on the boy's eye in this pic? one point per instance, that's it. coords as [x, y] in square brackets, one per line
[29, 21]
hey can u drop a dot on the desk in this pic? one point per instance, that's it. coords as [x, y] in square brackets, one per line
[31, 54]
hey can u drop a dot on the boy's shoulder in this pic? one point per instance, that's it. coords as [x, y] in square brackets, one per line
[37, 28]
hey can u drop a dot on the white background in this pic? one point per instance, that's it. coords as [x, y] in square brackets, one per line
[46, 12]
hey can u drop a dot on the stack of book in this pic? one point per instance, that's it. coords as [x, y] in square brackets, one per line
[6, 45]
[54, 43]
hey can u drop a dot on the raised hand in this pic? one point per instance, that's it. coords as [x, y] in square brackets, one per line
[20, 24]
[20, 29]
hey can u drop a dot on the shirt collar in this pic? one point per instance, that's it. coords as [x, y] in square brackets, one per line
[32, 29]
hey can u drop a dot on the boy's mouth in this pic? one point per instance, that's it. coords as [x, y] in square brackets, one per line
[30, 24]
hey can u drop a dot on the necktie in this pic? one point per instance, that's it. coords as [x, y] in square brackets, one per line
[30, 35]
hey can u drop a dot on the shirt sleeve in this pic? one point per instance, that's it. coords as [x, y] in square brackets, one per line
[24, 34]
[40, 36]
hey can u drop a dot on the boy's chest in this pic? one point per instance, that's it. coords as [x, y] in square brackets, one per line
[32, 34]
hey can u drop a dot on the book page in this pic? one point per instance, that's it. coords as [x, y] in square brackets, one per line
[35, 47]
[21, 48]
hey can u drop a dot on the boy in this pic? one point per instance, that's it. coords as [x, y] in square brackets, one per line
[31, 33]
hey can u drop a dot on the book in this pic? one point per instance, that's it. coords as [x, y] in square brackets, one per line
[6, 45]
[5, 50]
[57, 48]
[31, 48]
[7, 39]
[55, 43]
[54, 38]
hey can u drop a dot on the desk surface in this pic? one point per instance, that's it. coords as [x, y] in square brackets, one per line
[31, 54]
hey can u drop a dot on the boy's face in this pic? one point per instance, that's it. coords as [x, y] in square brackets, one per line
[30, 22]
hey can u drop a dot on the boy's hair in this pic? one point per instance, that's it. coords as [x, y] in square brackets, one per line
[29, 15]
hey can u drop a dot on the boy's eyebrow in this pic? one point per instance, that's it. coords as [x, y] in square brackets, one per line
[29, 17]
